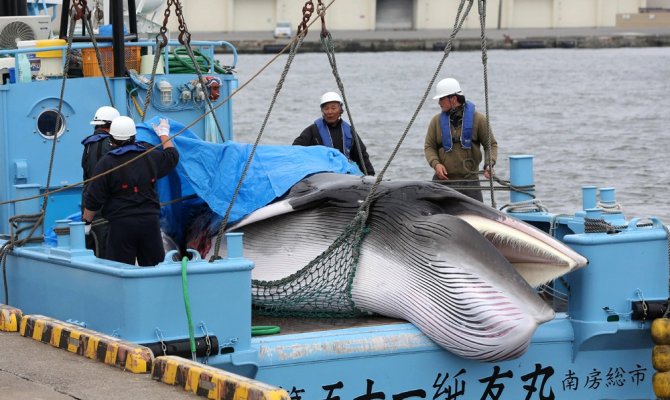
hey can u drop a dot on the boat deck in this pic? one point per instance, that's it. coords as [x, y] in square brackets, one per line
[293, 325]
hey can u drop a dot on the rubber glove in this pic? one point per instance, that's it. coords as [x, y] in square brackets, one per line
[162, 129]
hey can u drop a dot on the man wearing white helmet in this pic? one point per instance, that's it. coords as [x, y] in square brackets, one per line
[127, 197]
[97, 145]
[454, 140]
[332, 131]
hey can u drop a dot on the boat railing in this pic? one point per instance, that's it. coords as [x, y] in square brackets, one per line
[206, 47]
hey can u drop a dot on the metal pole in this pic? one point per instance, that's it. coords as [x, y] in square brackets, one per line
[64, 18]
[500, 2]
[118, 38]
[132, 19]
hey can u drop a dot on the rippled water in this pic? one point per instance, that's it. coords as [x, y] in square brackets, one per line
[590, 117]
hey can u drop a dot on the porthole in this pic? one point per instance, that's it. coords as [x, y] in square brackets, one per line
[50, 123]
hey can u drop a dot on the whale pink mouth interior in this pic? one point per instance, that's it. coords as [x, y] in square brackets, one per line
[529, 250]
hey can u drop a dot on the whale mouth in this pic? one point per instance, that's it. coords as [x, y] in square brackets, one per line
[537, 257]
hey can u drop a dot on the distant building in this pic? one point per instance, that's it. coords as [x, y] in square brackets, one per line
[263, 15]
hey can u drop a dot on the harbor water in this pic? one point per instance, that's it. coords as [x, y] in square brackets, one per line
[589, 117]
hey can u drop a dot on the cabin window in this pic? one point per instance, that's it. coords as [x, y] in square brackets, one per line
[50, 123]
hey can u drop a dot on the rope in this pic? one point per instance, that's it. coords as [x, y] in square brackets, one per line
[203, 83]
[186, 127]
[329, 48]
[293, 46]
[533, 205]
[294, 49]
[68, 54]
[323, 287]
[87, 21]
[4, 251]
[482, 23]
[152, 79]
[609, 208]
[13, 241]
[161, 42]
[458, 23]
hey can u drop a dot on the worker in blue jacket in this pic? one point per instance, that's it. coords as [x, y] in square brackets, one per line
[97, 145]
[454, 141]
[332, 131]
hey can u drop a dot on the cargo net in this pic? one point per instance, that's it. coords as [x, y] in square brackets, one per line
[321, 289]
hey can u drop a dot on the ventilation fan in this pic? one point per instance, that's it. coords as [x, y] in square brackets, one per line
[14, 29]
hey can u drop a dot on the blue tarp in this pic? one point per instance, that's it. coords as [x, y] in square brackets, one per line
[212, 171]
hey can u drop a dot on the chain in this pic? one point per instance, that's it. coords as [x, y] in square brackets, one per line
[184, 39]
[182, 24]
[159, 335]
[161, 42]
[80, 8]
[645, 307]
[208, 341]
[162, 33]
[307, 11]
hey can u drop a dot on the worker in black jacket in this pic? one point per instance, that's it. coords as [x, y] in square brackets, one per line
[97, 145]
[127, 197]
[332, 131]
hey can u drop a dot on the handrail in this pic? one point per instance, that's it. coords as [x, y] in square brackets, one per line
[206, 45]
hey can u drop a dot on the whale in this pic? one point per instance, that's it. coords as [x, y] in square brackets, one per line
[462, 272]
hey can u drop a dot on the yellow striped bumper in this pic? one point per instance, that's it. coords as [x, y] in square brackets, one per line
[91, 344]
[211, 382]
[10, 318]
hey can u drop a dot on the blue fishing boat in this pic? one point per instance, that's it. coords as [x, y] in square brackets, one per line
[216, 309]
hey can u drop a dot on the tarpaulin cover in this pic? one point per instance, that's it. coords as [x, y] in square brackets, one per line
[212, 171]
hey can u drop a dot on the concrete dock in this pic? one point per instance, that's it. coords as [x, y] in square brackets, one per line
[435, 40]
[32, 370]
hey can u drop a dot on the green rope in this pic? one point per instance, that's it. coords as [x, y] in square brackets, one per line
[187, 305]
[264, 330]
[180, 63]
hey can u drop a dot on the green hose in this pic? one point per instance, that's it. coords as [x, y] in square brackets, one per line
[179, 62]
[187, 304]
[264, 330]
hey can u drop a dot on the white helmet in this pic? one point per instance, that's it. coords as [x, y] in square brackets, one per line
[123, 128]
[330, 97]
[447, 87]
[105, 115]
